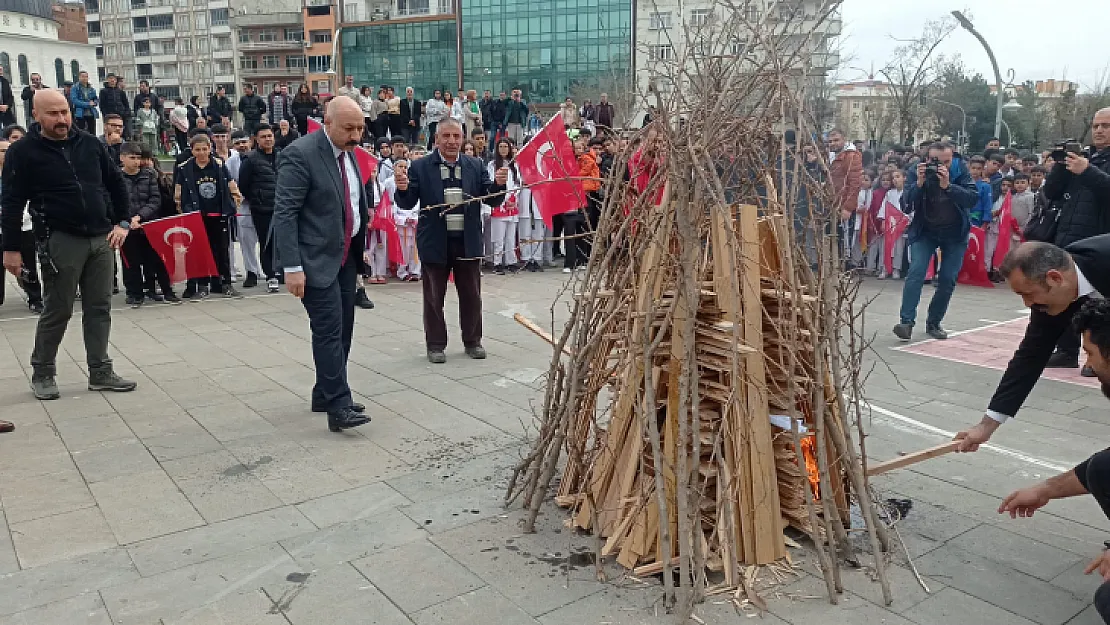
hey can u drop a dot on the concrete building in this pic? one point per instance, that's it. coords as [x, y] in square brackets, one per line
[70, 16]
[320, 20]
[182, 47]
[269, 43]
[30, 43]
[867, 110]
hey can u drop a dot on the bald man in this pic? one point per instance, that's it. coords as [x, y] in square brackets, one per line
[1080, 184]
[79, 221]
[319, 226]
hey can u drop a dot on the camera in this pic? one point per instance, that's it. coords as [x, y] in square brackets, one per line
[1060, 152]
[931, 170]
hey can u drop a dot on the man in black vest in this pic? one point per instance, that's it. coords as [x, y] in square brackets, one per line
[258, 182]
[449, 238]
[1054, 282]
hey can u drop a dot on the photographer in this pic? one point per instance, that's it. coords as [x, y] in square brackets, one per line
[1080, 182]
[940, 193]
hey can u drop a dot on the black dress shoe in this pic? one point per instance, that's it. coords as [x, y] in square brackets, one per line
[362, 301]
[6, 426]
[1063, 360]
[344, 419]
[357, 407]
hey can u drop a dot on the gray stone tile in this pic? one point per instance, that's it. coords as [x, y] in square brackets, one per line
[112, 459]
[77, 403]
[23, 590]
[443, 419]
[144, 505]
[494, 412]
[8, 560]
[807, 601]
[44, 495]
[1090, 616]
[230, 421]
[277, 398]
[185, 594]
[642, 605]
[1078, 583]
[349, 505]
[999, 585]
[863, 582]
[508, 390]
[181, 441]
[219, 486]
[1016, 552]
[61, 537]
[353, 540]
[464, 507]
[417, 575]
[451, 473]
[236, 380]
[196, 393]
[474, 608]
[286, 468]
[355, 458]
[337, 594]
[952, 606]
[249, 607]
[86, 609]
[218, 540]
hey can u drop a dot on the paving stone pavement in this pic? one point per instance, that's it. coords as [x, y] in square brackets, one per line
[212, 495]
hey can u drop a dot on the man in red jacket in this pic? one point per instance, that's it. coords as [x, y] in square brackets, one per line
[845, 169]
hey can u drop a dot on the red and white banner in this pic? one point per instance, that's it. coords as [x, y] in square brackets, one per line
[1007, 228]
[894, 227]
[182, 243]
[367, 162]
[548, 163]
[974, 271]
[382, 220]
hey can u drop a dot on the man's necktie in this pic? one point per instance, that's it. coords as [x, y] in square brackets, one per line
[348, 210]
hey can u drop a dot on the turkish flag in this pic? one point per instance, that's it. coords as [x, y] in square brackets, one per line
[894, 226]
[548, 165]
[182, 243]
[1007, 228]
[383, 221]
[367, 162]
[974, 271]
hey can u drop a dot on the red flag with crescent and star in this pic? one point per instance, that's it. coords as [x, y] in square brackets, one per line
[367, 162]
[974, 271]
[182, 243]
[895, 222]
[549, 167]
[1007, 230]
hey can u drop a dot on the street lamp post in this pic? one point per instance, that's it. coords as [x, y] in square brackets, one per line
[963, 124]
[967, 25]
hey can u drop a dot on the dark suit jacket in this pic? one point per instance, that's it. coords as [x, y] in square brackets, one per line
[410, 113]
[308, 211]
[426, 187]
[1092, 256]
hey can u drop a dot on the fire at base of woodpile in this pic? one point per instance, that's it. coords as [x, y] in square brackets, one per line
[704, 395]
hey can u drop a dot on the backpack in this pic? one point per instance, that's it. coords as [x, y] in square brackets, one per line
[1043, 222]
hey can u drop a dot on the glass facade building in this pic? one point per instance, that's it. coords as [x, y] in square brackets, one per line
[419, 54]
[546, 48]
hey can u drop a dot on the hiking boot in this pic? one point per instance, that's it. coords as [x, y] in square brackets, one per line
[171, 298]
[231, 293]
[44, 387]
[362, 301]
[1063, 360]
[251, 281]
[436, 356]
[903, 331]
[477, 352]
[107, 380]
[935, 331]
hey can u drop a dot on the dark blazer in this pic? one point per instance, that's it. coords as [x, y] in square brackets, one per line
[1092, 256]
[308, 211]
[410, 114]
[426, 187]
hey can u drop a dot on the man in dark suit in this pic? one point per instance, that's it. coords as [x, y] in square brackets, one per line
[319, 225]
[1054, 282]
[410, 117]
[449, 238]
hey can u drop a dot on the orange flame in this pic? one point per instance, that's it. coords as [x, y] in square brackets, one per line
[813, 473]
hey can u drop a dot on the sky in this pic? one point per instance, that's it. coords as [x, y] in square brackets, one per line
[1039, 39]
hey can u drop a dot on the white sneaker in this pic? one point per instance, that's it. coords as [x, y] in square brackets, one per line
[272, 285]
[897, 275]
[880, 276]
[566, 270]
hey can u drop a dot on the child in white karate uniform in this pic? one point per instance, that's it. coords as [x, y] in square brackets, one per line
[503, 218]
[409, 269]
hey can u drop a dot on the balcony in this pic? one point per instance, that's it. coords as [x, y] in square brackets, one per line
[271, 72]
[252, 46]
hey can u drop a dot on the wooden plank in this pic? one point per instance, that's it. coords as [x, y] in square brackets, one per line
[538, 331]
[912, 458]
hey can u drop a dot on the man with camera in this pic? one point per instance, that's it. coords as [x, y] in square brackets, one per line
[940, 194]
[1079, 183]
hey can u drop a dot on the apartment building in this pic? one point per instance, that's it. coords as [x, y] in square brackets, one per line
[269, 42]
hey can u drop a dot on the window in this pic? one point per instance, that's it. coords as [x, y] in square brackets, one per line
[167, 70]
[222, 42]
[223, 68]
[24, 73]
[271, 61]
[738, 47]
[267, 36]
[319, 64]
[112, 51]
[59, 71]
[751, 13]
[185, 46]
[662, 52]
[100, 52]
[92, 6]
[700, 17]
[161, 22]
[660, 21]
[168, 93]
[248, 62]
[74, 69]
[202, 46]
[244, 36]
[168, 47]
[855, 105]
[139, 24]
[126, 50]
[100, 74]
[146, 71]
[320, 36]
[319, 11]
[200, 20]
[185, 70]
[142, 48]
[124, 28]
[138, 4]
[294, 34]
[295, 61]
[94, 29]
[219, 17]
[350, 12]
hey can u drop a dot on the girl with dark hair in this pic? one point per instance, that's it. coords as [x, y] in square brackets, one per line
[504, 216]
[304, 103]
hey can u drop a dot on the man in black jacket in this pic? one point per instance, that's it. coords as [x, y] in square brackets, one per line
[1082, 186]
[253, 107]
[450, 240]
[1092, 476]
[79, 206]
[410, 117]
[114, 101]
[1054, 283]
[7, 101]
[219, 108]
[145, 94]
[258, 184]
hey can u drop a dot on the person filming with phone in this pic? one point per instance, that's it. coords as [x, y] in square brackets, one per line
[1079, 182]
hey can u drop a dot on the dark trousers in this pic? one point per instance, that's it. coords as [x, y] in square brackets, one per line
[557, 225]
[368, 131]
[266, 246]
[250, 124]
[396, 126]
[952, 247]
[182, 140]
[1069, 342]
[331, 316]
[432, 135]
[412, 133]
[216, 227]
[142, 267]
[468, 286]
[85, 262]
[574, 223]
[1098, 484]
[29, 278]
[88, 124]
[302, 125]
[381, 126]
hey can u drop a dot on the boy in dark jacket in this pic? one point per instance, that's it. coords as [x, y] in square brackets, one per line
[202, 184]
[253, 107]
[145, 205]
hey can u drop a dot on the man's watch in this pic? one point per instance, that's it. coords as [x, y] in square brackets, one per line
[125, 224]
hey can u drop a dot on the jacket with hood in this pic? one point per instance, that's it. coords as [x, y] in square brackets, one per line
[155, 102]
[143, 195]
[844, 174]
[72, 183]
[114, 100]
[253, 107]
[1084, 199]
[218, 108]
[185, 180]
[83, 97]
[981, 213]
[961, 191]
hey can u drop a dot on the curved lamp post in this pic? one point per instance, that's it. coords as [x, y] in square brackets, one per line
[967, 25]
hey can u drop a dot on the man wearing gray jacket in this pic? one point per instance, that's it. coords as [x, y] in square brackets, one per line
[319, 229]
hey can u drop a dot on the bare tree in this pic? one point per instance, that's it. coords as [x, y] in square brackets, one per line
[911, 69]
